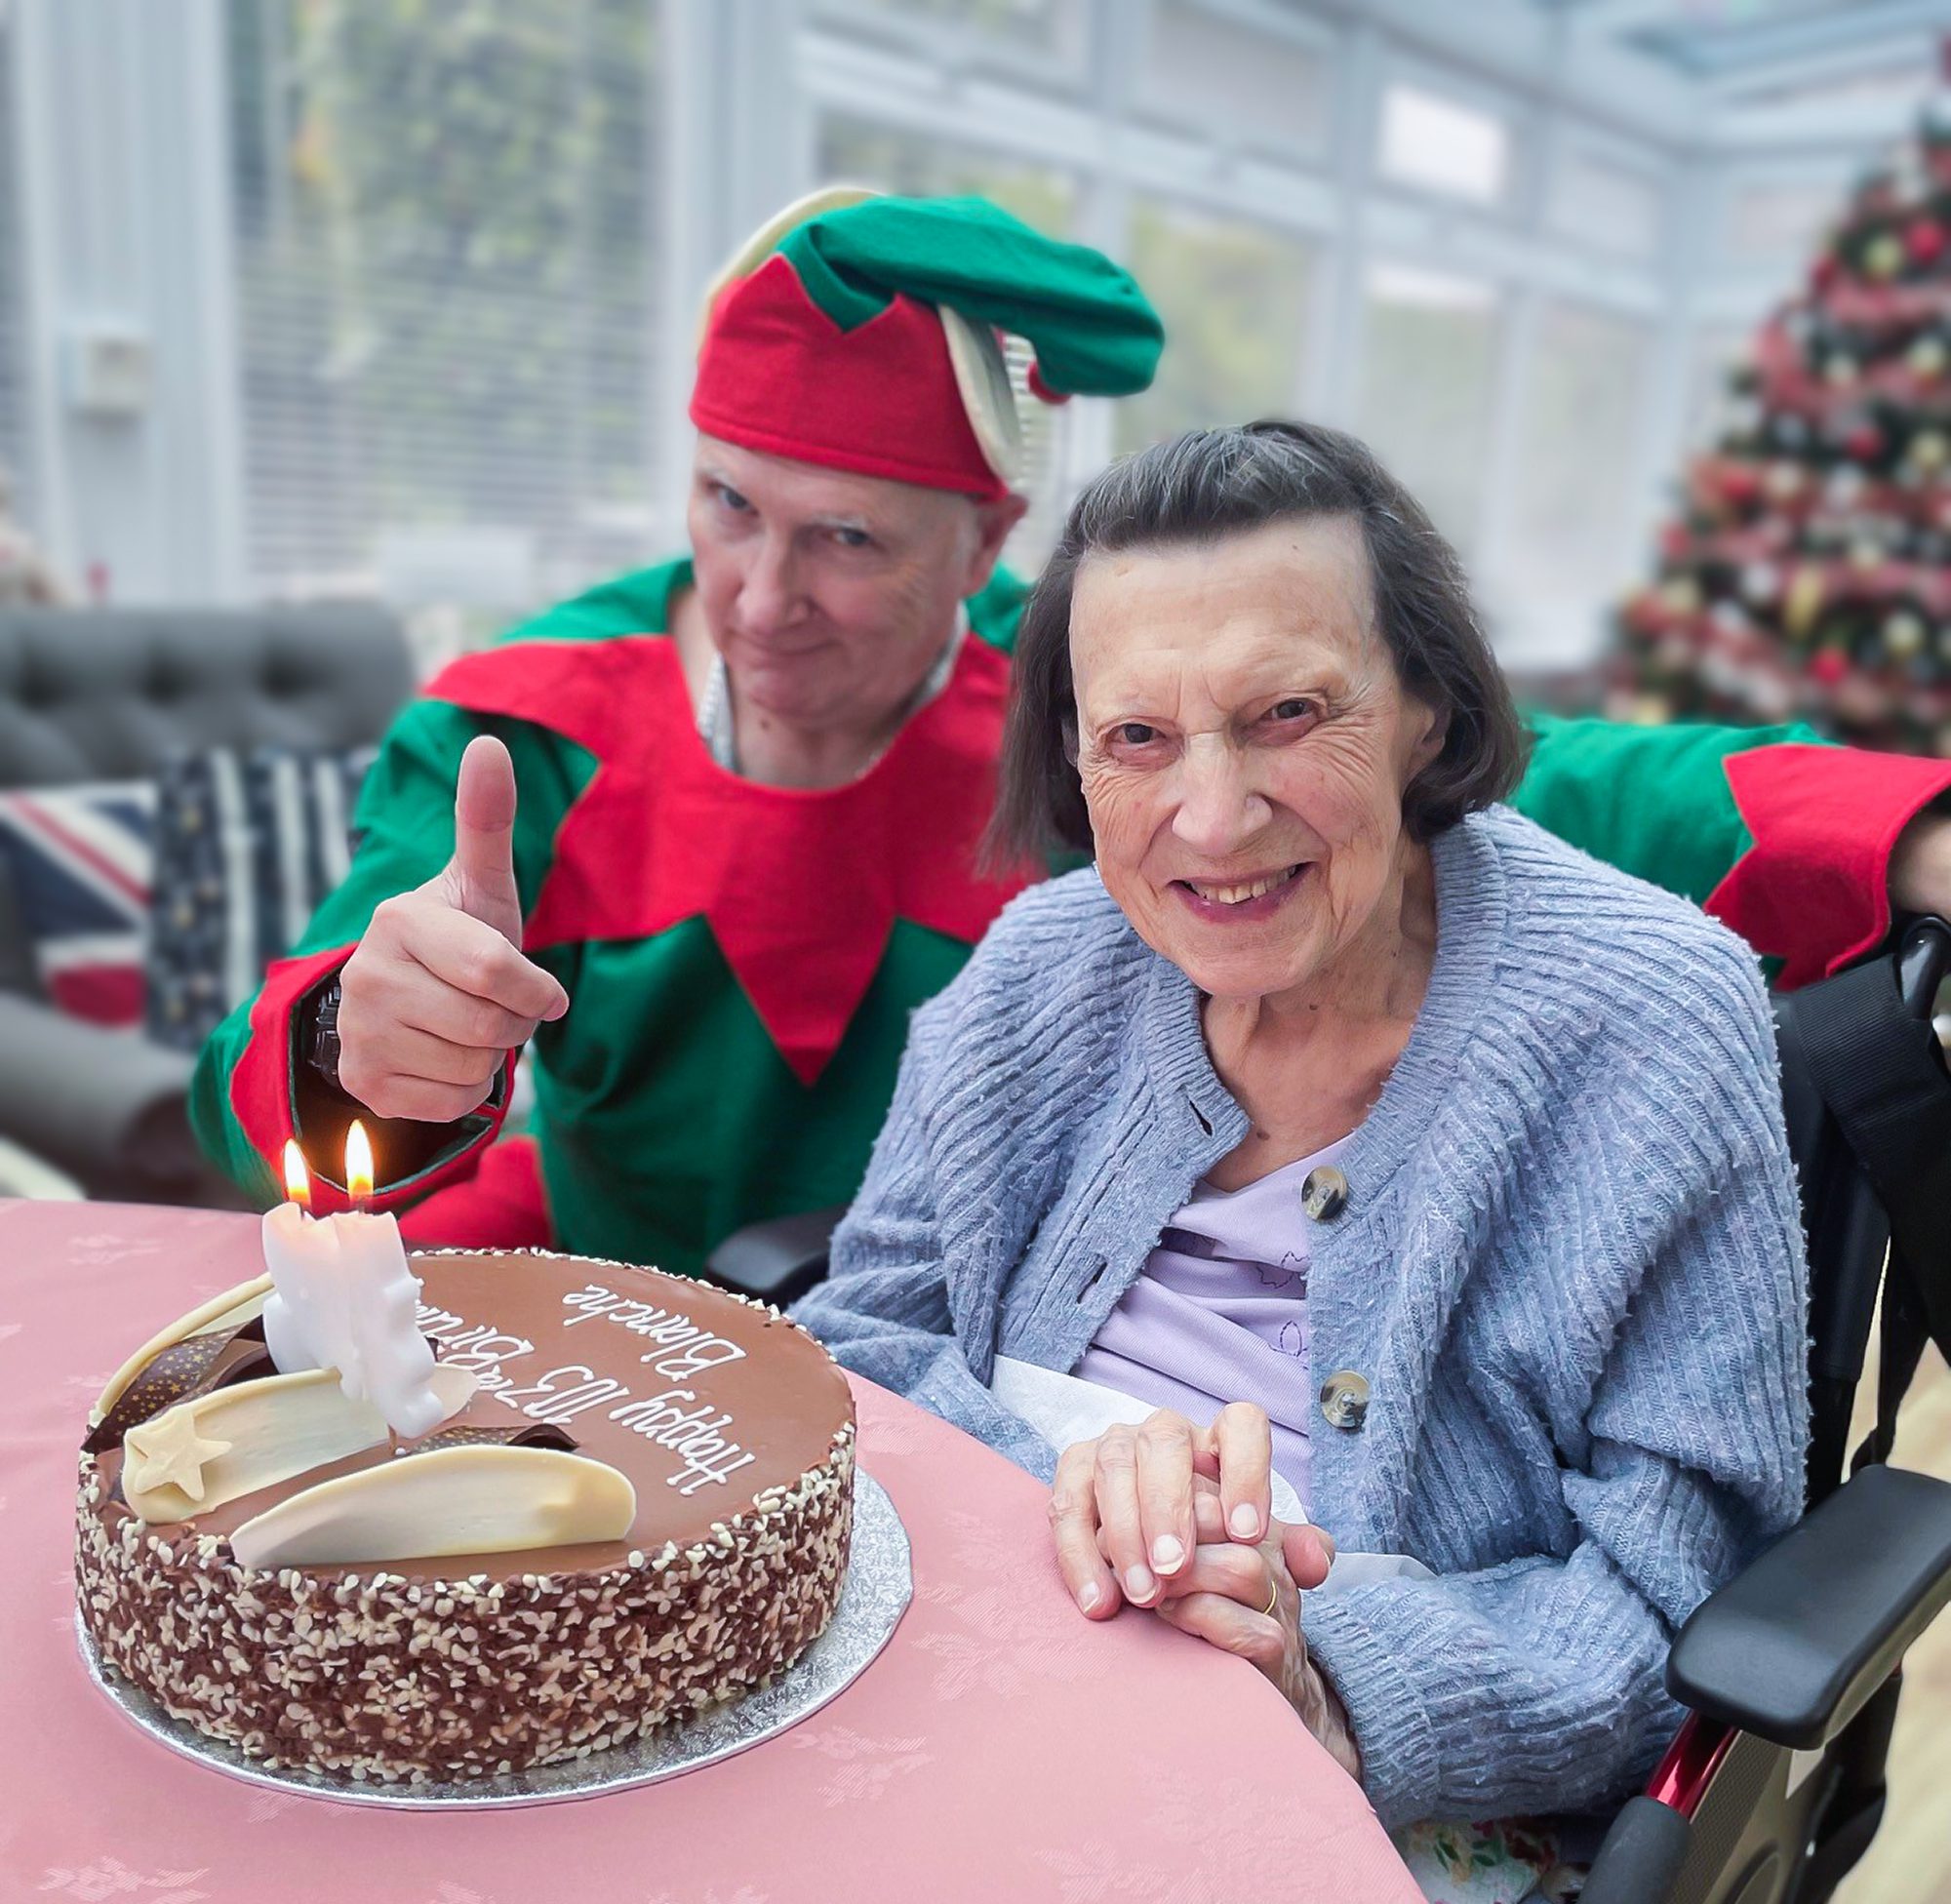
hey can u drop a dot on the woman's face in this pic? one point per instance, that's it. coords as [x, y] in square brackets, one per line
[1244, 745]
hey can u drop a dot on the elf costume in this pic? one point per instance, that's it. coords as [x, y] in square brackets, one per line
[741, 960]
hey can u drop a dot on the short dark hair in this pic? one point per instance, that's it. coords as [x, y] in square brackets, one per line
[1211, 484]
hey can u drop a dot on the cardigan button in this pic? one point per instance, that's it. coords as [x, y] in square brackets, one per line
[1323, 1193]
[1344, 1400]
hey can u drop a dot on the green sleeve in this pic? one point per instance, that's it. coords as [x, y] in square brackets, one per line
[1653, 800]
[404, 826]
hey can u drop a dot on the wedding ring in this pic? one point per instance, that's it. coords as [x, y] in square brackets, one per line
[1273, 1595]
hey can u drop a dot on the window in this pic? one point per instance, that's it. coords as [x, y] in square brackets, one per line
[1611, 207]
[1572, 510]
[1781, 217]
[856, 152]
[1045, 30]
[444, 245]
[1234, 300]
[13, 300]
[1223, 77]
[1428, 378]
[1439, 144]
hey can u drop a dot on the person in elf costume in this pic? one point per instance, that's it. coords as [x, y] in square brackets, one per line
[753, 780]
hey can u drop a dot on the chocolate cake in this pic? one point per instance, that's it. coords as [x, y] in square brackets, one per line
[704, 1440]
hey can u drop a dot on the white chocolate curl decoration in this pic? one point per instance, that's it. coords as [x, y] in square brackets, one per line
[343, 1297]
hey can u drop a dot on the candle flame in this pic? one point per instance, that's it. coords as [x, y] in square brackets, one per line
[297, 1179]
[358, 1163]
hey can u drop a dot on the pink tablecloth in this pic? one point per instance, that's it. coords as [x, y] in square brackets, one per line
[1001, 1749]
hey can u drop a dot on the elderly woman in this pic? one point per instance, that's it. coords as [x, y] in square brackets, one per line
[1382, 1144]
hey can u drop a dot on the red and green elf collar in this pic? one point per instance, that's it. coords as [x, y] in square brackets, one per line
[863, 334]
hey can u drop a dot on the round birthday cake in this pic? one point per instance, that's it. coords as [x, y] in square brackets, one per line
[636, 1502]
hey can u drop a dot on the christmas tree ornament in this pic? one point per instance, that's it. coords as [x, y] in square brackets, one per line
[1828, 665]
[1681, 594]
[1806, 592]
[1903, 634]
[1761, 584]
[1883, 256]
[1842, 370]
[1791, 432]
[1924, 241]
[1929, 450]
[1784, 481]
[1863, 443]
[1844, 486]
[1928, 356]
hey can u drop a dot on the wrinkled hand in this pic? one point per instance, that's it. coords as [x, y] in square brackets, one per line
[437, 992]
[1177, 1519]
[1224, 1598]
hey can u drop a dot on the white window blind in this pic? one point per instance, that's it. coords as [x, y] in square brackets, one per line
[444, 239]
[13, 300]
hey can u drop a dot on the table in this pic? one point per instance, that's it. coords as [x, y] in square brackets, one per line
[1002, 1748]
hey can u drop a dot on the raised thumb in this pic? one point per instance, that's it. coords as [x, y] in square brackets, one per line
[483, 867]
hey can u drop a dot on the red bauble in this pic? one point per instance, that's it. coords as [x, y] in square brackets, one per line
[1924, 241]
[1829, 666]
[1740, 482]
[1864, 443]
[1823, 273]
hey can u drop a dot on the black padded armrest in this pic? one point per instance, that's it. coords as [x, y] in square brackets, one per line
[1792, 1646]
[778, 1261]
[108, 1107]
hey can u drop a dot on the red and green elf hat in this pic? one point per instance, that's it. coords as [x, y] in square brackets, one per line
[862, 333]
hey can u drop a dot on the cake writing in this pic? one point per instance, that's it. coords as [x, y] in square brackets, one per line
[683, 1348]
[693, 1435]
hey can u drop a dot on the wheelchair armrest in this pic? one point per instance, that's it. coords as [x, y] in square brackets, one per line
[1792, 1646]
[778, 1260]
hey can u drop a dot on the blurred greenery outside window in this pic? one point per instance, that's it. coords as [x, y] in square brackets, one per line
[1428, 375]
[1234, 298]
[443, 225]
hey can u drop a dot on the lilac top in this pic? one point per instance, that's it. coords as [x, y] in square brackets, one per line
[1218, 1313]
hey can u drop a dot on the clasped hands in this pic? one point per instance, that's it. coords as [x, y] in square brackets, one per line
[1178, 1519]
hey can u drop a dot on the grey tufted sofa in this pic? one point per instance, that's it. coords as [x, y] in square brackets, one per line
[110, 695]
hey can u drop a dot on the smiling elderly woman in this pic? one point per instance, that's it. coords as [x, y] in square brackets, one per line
[1382, 1146]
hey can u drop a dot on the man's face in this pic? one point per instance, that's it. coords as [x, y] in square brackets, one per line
[829, 594]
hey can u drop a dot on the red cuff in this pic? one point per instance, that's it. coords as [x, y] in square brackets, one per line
[1814, 889]
[262, 1095]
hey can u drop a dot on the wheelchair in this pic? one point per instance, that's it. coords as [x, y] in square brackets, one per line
[1774, 1785]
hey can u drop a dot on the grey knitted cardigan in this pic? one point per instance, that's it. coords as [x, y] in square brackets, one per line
[1571, 1268]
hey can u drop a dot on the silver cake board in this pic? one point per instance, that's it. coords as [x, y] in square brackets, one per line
[879, 1584]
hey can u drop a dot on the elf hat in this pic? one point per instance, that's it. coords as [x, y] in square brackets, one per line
[862, 333]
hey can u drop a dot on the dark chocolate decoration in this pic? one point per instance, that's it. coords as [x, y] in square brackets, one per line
[187, 1368]
[533, 1434]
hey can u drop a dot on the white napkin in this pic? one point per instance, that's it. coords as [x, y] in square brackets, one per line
[1065, 1409]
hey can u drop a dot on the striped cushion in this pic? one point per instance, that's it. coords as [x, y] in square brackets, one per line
[247, 845]
[80, 862]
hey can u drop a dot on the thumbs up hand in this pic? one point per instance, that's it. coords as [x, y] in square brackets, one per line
[437, 992]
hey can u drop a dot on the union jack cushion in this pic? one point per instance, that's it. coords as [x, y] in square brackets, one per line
[80, 860]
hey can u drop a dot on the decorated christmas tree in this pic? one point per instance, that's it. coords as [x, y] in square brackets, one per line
[1807, 574]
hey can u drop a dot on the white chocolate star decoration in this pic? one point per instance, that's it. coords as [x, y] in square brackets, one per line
[169, 1450]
